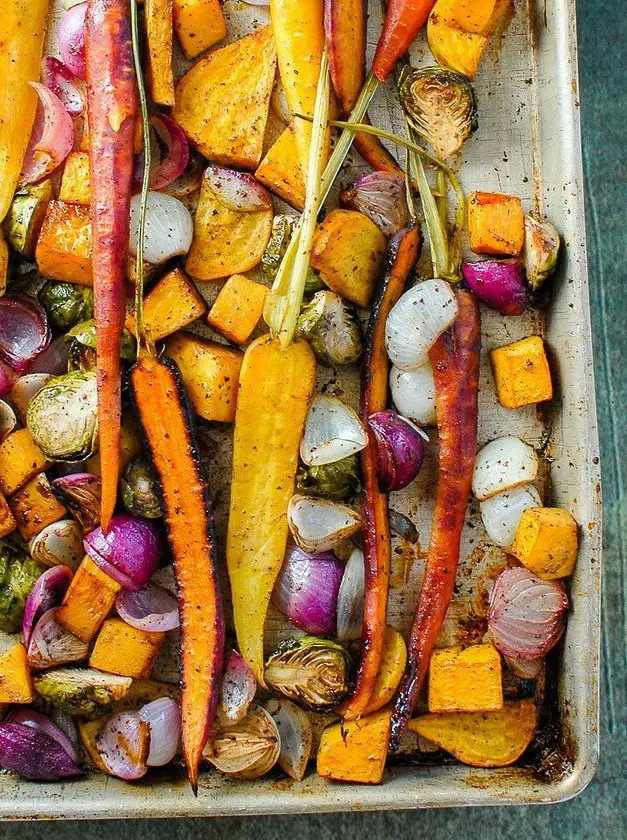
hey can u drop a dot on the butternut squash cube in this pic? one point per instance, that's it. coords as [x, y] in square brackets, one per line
[347, 252]
[238, 308]
[210, 373]
[7, 520]
[20, 460]
[469, 15]
[390, 672]
[35, 506]
[75, 184]
[64, 246]
[355, 750]
[16, 685]
[465, 680]
[546, 542]
[521, 373]
[280, 170]
[88, 601]
[454, 48]
[172, 303]
[158, 19]
[124, 650]
[199, 24]
[496, 223]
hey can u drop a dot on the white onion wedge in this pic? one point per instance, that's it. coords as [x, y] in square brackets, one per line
[413, 394]
[169, 227]
[350, 599]
[320, 525]
[417, 320]
[296, 734]
[502, 464]
[58, 544]
[332, 432]
[502, 512]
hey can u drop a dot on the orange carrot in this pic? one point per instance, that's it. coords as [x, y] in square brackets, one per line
[403, 20]
[112, 114]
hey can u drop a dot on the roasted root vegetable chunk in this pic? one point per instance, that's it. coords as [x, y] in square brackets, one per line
[454, 48]
[275, 388]
[88, 601]
[124, 650]
[281, 172]
[199, 24]
[469, 15]
[393, 661]
[64, 246]
[26, 216]
[482, 739]
[15, 681]
[75, 186]
[172, 303]
[158, 17]
[229, 130]
[496, 223]
[238, 308]
[546, 542]
[467, 680]
[348, 251]
[522, 373]
[7, 520]
[355, 750]
[35, 506]
[210, 372]
[88, 731]
[20, 460]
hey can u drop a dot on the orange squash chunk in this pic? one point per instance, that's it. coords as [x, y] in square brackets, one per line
[467, 680]
[355, 750]
[20, 460]
[546, 542]
[199, 24]
[238, 308]
[88, 601]
[280, 170]
[75, 184]
[16, 685]
[35, 506]
[64, 246]
[7, 520]
[172, 303]
[496, 224]
[124, 650]
[521, 373]
[158, 18]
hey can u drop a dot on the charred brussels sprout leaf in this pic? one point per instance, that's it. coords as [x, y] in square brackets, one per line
[85, 334]
[338, 481]
[140, 492]
[282, 230]
[66, 304]
[330, 326]
[18, 575]
[542, 245]
[81, 691]
[63, 416]
[311, 671]
[440, 106]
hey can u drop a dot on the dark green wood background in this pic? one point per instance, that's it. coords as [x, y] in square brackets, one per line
[600, 812]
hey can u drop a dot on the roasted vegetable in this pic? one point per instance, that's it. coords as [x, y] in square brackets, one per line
[440, 106]
[159, 24]
[329, 324]
[246, 749]
[62, 417]
[393, 662]
[496, 224]
[35, 506]
[521, 372]
[275, 388]
[310, 671]
[16, 685]
[280, 170]
[63, 249]
[7, 520]
[18, 575]
[88, 601]
[283, 226]
[4, 263]
[82, 338]
[403, 20]
[229, 132]
[81, 691]
[75, 184]
[140, 492]
[26, 216]
[172, 303]
[458, 47]
[66, 304]
[163, 413]
[199, 24]
[355, 750]
[238, 308]
[467, 680]
[546, 542]
[20, 460]
[338, 481]
[541, 251]
[124, 650]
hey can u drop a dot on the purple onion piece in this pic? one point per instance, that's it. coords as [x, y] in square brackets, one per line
[500, 284]
[123, 744]
[51, 644]
[307, 588]
[80, 492]
[47, 593]
[26, 716]
[34, 754]
[129, 552]
[238, 688]
[54, 359]
[400, 449]
[72, 39]
[24, 331]
[153, 608]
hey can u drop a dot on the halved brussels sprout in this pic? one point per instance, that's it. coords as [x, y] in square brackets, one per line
[140, 492]
[542, 246]
[310, 671]
[282, 229]
[18, 575]
[85, 333]
[440, 106]
[81, 691]
[66, 304]
[330, 326]
[63, 416]
[338, 481]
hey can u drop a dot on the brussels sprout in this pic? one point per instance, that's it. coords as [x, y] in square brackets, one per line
[330, 326]
[542, 245]
[81, 691]
[85, 334]
[26, 216]
[282, 230]
[66, 304]
[63, 416]
[338, 481]
[311, 671]
[18, 575]
[140, 492]
[440, 106]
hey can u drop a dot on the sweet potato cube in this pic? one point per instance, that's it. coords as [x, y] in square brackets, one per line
[280, 170]
[35, 506]
[465, 680]
[210, 372]
[347, 252]
[199, 24]
[88, 601]
[521, 373]
[496, 223]
[159, 34]
[20, 460]
[546, 542]
[390, 672]
[454, 48]
[355, 750]
[172, 303]
[64, 246]
[124, 650]
[16, 685]
[222, 103]
[7, 520]
[238, 308]
[75, 184]
[469, 15]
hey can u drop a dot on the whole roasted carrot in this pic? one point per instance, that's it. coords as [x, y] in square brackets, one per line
[455, 360]
[403, 20]
[404, 250]
[112, 114]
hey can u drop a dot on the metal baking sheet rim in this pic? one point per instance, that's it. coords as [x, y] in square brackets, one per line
[101, 797]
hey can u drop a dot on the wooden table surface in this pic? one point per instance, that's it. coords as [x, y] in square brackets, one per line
[601, 811]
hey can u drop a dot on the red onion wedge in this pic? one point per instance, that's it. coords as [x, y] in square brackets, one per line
[26, 716]
[123, 744]
[7, 378]
[163, 716]
[80, 493]
[238, 190]
[129, 552]
[52, 137]
[54, 359]
[52, 645]
[190, 180]
[237, 690]
[400, 449]
[24, 331]
[500, 284]
[25, 389]
[153, 608]
[381, 196]
[72, 39]
[350, 601]
[34, 754]
[306, 590]
[47, 592]
[63, 83]
[526, 614]
[169, 164]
